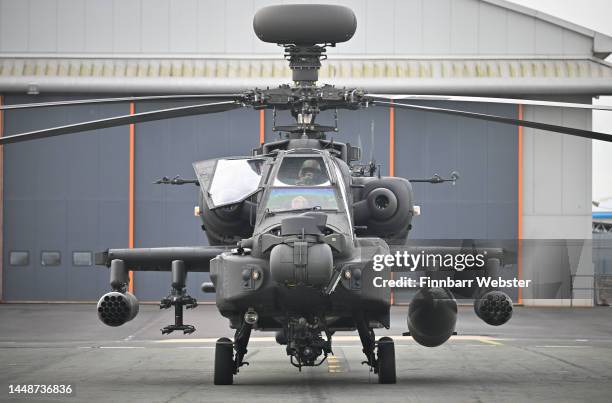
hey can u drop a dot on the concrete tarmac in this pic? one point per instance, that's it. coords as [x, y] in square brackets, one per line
[542, 354]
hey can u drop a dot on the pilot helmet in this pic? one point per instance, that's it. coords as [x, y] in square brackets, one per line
[311, 165]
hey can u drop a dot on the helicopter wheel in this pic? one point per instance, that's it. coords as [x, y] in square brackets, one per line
[224, 362]
[386, 360]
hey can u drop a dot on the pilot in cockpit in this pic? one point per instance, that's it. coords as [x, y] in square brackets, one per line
[310, 173]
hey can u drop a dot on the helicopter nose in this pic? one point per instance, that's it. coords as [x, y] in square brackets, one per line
[302, 258]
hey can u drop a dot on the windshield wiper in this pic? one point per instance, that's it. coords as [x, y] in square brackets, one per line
[271, 213]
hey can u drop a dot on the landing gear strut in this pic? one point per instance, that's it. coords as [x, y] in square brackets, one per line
[227, 364]
[382, 362]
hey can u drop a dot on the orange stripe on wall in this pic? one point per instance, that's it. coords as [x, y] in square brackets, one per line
[131, 197]
[262, 126]
[1, 200]
[519, 262]
[392, 141]
[392, 166]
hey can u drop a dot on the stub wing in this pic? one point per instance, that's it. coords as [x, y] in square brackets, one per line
[196, 258]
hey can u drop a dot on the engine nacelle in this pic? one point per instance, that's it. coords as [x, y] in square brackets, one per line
[115, 308]
[494, 308]
[385, 208]
[229, 224]
[432, 315]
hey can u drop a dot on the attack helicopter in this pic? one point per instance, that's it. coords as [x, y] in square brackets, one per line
[293, 229]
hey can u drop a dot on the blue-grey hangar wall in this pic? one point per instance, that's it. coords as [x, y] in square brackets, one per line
[70, 196]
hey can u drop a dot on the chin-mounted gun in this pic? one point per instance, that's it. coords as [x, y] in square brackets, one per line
[454, 177]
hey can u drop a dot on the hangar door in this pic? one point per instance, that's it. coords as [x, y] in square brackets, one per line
[67, 197]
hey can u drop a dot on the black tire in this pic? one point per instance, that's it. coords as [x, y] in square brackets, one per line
[386, 360]
[224, 362]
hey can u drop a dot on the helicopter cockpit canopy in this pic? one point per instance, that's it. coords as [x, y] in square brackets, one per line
[302, 171]
[302, 183]
[244, 174]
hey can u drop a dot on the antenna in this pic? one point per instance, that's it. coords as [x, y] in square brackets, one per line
[372, 140]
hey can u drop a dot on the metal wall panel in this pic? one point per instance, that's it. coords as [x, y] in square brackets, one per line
[155, 29]
[98, 26]
[183, 30]
[14, 25]
[70, 26]
[238, 14]
[556, 182]
[211, 27]
[127, 25]
[63, 194]
[464, 33]
[521, 31]
[164, 214]
[436, 36]
[577, 185]
[42, 24]
[492, 29]
[402, 27]
[408, 27]
[556, 199]
[483, 204]
[548, 39]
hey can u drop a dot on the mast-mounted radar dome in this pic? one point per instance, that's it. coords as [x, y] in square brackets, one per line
[305, 24]
[304, 30]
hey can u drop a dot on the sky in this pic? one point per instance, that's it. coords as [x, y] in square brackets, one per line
[595, 15]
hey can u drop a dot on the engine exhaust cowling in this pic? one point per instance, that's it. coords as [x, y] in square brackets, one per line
[494, 308]
[115, 308]
[432, 315]
[384, 206]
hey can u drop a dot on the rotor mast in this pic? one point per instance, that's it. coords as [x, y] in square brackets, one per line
[305, 62]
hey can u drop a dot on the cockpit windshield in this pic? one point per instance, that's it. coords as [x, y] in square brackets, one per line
[302, 183]
[299, 198]
[302, 171]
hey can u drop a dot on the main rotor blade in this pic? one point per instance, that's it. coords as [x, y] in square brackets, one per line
[122, 99]
[490, 100]
[123, 120]
[500, 119]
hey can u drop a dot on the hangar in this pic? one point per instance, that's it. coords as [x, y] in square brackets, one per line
[67, 197]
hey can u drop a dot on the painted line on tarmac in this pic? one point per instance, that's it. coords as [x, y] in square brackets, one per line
[483, 339]
[334, 365]
[490, 341]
